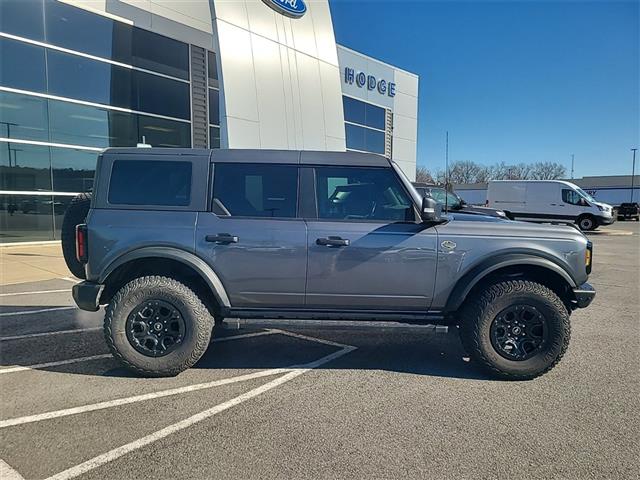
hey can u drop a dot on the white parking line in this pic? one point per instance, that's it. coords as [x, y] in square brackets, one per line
[311, 339]
[70, 279]
[29, 312]
[245, 335]
[198, 417]
[54, 364]
[39, 292]
[47, 334]
[138, 398]
[8, 473]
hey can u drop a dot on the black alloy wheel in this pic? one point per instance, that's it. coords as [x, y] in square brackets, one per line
[155, 328]
[518, 332]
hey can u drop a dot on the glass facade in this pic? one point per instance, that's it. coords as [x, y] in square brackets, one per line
[73, 82]
[365, 126]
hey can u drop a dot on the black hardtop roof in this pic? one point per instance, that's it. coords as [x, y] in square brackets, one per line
[304, 157]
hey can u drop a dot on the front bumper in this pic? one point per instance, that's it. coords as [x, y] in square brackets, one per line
[87, 295]
[606, 220]
[584, 295]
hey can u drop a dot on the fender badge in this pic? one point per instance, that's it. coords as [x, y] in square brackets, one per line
[448, 245]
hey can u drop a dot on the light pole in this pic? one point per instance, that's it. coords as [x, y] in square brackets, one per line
[572, 157]
[633, 171]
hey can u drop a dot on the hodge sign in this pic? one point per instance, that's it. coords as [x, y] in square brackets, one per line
[289, 8]
[361, 79]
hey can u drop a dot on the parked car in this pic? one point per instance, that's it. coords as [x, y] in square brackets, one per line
[453, 201]
[629, 211]
[548, 201]
[177, 239]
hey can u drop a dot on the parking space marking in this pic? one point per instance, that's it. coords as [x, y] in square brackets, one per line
[8, 473]
[54, 364]
[198, 417]
[70, 279]
[138, 398]
[28, 312]
[311, 339]
[40, 292]
[245, 335]
[47, 334]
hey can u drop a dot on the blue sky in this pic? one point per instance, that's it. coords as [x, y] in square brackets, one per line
[512, 81]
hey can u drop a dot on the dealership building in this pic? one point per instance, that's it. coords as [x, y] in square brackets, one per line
[79, 76]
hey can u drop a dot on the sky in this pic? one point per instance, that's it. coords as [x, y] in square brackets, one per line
[513, 81]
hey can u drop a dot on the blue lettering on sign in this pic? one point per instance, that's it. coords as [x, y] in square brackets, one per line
[362, 79]
[288, 8]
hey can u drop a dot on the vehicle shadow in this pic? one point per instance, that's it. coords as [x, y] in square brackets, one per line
[413, 352]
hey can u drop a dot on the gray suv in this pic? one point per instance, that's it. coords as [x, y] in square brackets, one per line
[175, 240]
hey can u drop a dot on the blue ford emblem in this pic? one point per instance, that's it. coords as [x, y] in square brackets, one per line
[289, 8]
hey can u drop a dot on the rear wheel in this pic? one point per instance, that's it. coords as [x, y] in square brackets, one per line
[587, 223]
[157, 326]
[75, 214]
[516, 329]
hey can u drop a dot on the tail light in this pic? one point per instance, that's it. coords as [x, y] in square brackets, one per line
[82, 252]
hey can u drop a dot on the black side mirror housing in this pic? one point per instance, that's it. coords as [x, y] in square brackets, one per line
[431, 210]
[463, 202]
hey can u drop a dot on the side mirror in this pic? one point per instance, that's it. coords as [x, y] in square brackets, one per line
[462, 202]
[431, 210]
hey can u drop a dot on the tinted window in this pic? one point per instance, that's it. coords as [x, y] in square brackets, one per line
[72, 170]
[363, 113]
[361, 194]
[26, 217]
[24, 167]
[163, 133]
[146, 182]
[159, 53]
[214, 107]
[23, 18]
[212, 68]
[24, 117]
[365, 139]
[251, 190]
[570, 196]
[22, 66]
[214, 137]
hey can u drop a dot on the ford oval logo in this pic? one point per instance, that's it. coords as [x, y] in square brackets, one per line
[289, 8]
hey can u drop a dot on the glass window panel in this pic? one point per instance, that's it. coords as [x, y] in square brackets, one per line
[78, 29]
[130, 181]
[23, 117]
[26, 218]
[73, 170]
[214, 107]
[374, 141]
[355, 137]
[375, 116]
[81, 78]
[160, 54]
[214, 137]
[79, 124]
[22, 66]
[345, 193]
[161, 96]
[251, 190]
[24, 167]
[23, 18]
[164, 133]
[212, 68]
[60, 205]
[354, 110]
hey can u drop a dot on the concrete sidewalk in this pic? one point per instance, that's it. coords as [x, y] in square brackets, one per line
[31, 263]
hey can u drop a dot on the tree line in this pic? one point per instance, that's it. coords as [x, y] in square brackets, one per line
[465, 171]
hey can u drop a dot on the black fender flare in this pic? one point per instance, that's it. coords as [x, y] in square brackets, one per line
[476, 273]
[187, 258]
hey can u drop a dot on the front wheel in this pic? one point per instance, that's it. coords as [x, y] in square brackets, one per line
[157, 326]
[587, 223]
[516, 329]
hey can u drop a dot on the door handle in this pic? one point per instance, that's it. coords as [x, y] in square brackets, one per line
[222, 238]
[333, 242]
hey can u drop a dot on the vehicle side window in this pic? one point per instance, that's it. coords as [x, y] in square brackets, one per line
[570, 196]
[346, 193]
[255, 190]
[148, 182]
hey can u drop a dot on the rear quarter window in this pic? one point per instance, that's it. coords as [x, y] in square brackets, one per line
[148, 182]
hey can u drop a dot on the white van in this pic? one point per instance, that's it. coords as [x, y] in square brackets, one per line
[548, 201]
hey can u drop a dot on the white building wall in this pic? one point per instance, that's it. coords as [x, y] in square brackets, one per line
[280, 77]
[404, 104]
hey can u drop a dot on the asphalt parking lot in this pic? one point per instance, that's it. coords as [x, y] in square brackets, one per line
[321, 403]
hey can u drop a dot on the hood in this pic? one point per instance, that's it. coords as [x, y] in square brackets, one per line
[473, 224]
[492, 212]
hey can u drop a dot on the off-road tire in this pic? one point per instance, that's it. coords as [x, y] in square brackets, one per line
[75, 214]
[198, 322]
[479, 312]
[587, 223]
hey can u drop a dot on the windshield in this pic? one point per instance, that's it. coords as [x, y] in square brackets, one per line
[585, 195]
[440, 195]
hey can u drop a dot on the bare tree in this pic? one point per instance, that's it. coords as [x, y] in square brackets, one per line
[463, 172]
[548, 171]
[423, 175]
